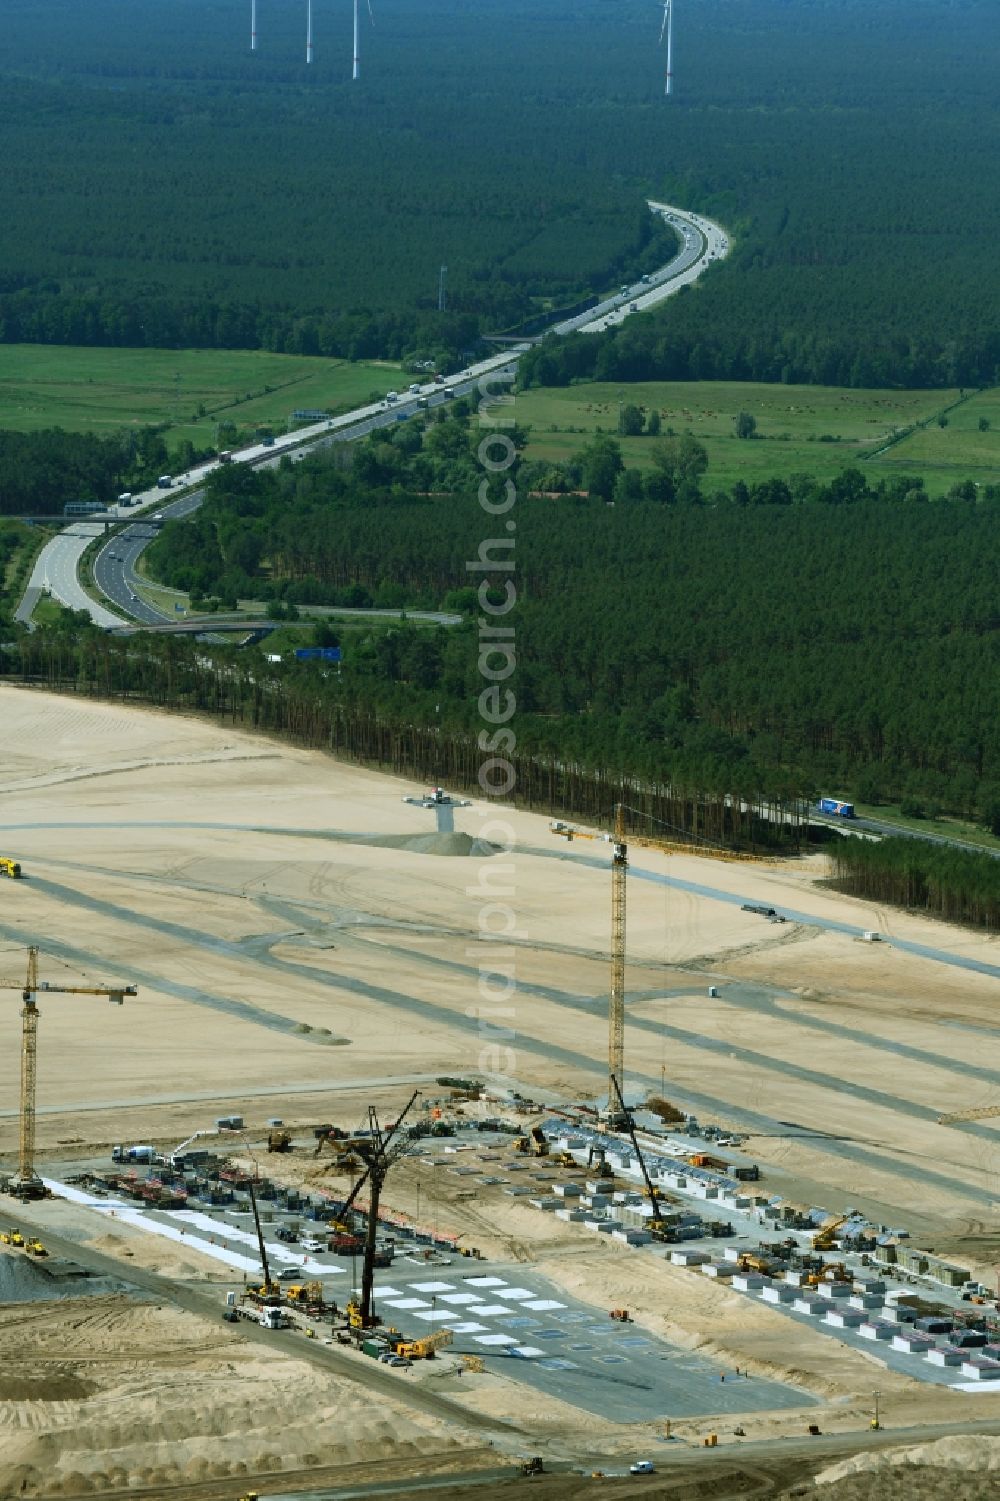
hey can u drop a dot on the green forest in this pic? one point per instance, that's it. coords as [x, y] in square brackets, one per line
[842, 639]
[165, 187]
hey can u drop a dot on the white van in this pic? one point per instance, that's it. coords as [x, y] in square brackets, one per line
[125, 499]
[391, 397]
[310, 1243]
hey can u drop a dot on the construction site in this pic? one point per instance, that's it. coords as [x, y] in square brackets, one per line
[354, 1131]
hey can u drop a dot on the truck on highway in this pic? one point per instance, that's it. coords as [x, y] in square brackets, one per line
[836, 807]
[165, 482]
[225, 457]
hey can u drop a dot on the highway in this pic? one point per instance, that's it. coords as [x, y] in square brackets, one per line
[56, 571]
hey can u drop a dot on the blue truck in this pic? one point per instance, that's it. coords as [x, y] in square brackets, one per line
[835, 806]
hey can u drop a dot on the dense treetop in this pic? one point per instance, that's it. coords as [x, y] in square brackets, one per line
[846, 641]
[164, 186]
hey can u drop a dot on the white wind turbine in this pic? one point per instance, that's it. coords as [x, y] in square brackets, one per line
[668, 28]
[309, 31]
[357, 55]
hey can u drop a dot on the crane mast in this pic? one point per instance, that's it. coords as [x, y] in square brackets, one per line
[616, 1003]
[28, 1185]
[26, 1179]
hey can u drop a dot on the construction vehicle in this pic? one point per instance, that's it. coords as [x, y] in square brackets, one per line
[426, 1347]
[10, 868]
[657, 1226]
[268, 1289]
[833, 1271]
[35, 1248]
[540, 1140]
[522, 1144]
[621, 1315]
[826, 1238]
[380, 1149]
[977, 1113]
[16, 1238]
[619, 873]
[533, 1466]
[279, 1141]
[27, 1184]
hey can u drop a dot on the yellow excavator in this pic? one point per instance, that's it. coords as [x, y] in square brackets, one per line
[828, 1234]
[10, 868]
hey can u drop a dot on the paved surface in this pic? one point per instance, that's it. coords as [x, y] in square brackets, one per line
[510, 1317]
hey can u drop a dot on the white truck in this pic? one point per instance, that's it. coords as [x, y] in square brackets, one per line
[267, 1318]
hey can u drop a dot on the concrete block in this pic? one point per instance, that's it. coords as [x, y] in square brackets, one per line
[876, 1329]
[603, 1227]
[945, 1355]
[718, 1269]
[865, 1300]
[572, 1216]
[865, 1285]
[689, 1258]
[779, 1293]
[600, 1186]
[547, 1204]
[733, 1253]
[807, 1304]
[748, 1282]
[834, 1290]
[797, 1278]
[845, 1318]
[632, 1237]
[567, 1190]
[980, 1369]
[912, 1344]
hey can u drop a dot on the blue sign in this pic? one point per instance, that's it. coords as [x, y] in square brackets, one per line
[317, 653]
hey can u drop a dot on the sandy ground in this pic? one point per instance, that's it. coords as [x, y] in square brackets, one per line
[101, 1393]
[287, 965]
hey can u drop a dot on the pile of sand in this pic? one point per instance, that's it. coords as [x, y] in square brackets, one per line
[113, 1395]
[434, 844]
[957, 1456]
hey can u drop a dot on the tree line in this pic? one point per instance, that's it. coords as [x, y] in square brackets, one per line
[164, 187]
[846, 643]
[959, 885]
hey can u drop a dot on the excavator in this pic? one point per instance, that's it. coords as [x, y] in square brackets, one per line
[824, 1241]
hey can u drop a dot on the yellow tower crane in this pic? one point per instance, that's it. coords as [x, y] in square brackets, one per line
[977, 1113]
[27, 1184]
[619, 874]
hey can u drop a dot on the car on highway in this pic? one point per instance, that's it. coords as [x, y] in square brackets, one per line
[642, 1467]
[290, 1274]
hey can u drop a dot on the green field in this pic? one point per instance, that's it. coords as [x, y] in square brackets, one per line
[816, 430]
[106, 390]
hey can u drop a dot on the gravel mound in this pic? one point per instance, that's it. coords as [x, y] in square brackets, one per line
[435, 844]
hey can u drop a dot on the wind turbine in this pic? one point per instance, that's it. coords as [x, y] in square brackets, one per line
[357, 55]
[253, 25]
[309, 31]
[668, 28]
